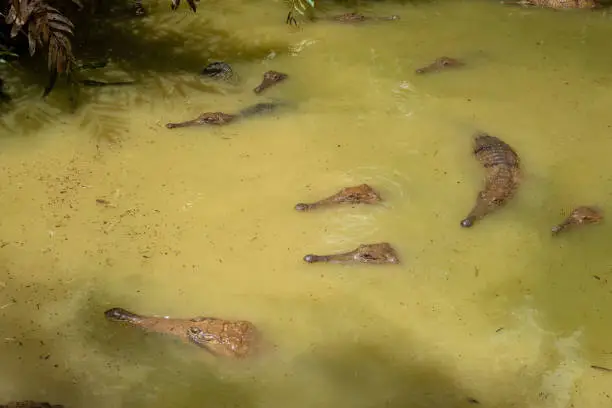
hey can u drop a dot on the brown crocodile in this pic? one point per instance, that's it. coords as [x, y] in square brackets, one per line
[30, 404]
[502, 168]
[357, 18]
[220, 118]
[362, 194]
[270, 78]
[582, 215]
[557, 4]
[439, 64]
[227, 338]
[379, 253]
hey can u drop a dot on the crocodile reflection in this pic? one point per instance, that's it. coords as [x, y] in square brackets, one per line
[361, 194]
[379, 253]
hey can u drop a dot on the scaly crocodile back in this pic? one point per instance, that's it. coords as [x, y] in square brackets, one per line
[564, 4]
[491, 151]
[502, 177]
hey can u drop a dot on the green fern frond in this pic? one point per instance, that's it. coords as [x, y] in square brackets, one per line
[300, 7]
[43, 26]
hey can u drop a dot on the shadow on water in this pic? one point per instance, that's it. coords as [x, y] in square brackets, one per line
[82, 360]
[162, 53]
[363, 375]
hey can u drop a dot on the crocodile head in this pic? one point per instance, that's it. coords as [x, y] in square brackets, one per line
[362, 194]
[230, 339]
[440, 64]
[118, 314]
[483, 206]
[270, 79]
[380, 253]
[579, 216]
[207, 118]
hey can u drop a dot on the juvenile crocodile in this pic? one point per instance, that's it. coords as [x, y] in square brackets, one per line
[362, 194]
[30, 404]
[582, 215]
[218, 70]
[502, 168]
[557, 4]
[356, 18]
[220, 118]
[270, 78]
[227, 338]
[440, 64]
[379, 253]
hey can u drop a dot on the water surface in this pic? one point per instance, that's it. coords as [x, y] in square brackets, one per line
[201, 221]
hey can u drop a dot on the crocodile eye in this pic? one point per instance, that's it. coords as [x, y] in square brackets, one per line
[369, 256]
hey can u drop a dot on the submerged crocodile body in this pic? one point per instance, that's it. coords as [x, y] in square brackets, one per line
[362, 194]
[440, 64]
[582, 215]
[502, 166]
[30, 404]
[220, 118]
[270, 78]
[379, 253]
[557, 4]
[356, 18]
[220, 337]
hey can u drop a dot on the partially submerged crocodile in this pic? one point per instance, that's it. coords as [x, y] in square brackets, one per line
[218, 70]
[356, 18]
[220, 118]
[582, 215]
[220, 337]
[502, 168]
[270, 78]
[556, 4]
[379, 253]
[30, 404]
[439, 64]
[361, 194]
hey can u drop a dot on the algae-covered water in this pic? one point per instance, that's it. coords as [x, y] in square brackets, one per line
[201, 221]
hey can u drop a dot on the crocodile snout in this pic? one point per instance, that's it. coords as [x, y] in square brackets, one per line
[117, 313]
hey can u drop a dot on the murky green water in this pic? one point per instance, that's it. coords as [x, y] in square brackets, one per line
[201, 221]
